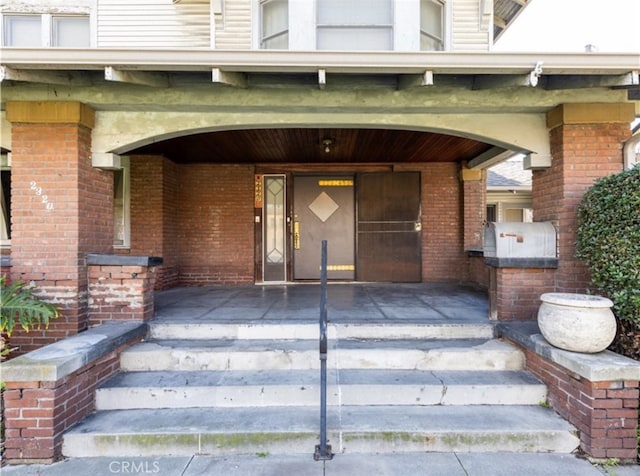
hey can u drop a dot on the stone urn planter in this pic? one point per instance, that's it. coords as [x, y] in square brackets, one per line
[577, 322]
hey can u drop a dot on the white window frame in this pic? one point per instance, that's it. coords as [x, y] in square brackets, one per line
[302, 25]
[392, 26]
[261, 35]
[125, 220]
[46, 27]
[445, 15]
[5, 165]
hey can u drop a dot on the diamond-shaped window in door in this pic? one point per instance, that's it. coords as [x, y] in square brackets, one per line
[323, 206]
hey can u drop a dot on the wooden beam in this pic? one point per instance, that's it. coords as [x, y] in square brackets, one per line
[522, 3]
[74, 78]
[491, 157]
[238, 80]
[156, 80]
[499, 22]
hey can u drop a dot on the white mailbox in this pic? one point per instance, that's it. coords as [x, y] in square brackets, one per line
[519, 240]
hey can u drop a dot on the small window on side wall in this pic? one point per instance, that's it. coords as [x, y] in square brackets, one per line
[5, 215]
[121, 205]
[35, 31]
[23, 31]
[70, 31]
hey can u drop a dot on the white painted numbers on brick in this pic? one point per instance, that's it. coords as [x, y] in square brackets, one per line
[39, 192]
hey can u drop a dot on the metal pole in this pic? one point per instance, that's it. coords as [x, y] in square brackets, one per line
[323, 450]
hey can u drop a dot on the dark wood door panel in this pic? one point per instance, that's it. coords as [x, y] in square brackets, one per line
[389, 229]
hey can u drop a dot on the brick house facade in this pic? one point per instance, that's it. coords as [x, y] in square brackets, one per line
[200, 129]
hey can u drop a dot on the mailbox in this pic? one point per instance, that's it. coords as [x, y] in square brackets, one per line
[519, 240]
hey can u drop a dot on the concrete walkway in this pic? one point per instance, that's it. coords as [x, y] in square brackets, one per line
[413, 464]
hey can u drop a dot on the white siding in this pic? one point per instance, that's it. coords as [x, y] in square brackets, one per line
[467, 33]
[153, 24]
[233, 28]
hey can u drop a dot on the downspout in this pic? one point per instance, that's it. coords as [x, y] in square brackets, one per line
[629, 152]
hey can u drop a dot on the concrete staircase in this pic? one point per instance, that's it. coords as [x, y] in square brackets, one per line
[203, 388]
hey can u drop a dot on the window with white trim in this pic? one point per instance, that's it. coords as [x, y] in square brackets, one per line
[37, 30]
[431, 25]
[121, 205]
[354, 25]
[274, 33]
[5, 203]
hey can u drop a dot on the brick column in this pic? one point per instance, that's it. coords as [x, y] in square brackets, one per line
[154, 214]
[62, 208]
[586, 144]
[474, 184]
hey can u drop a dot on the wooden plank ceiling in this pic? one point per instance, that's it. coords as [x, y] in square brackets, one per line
[306, 145]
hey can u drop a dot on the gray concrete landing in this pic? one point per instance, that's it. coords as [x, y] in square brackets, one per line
[346, 302]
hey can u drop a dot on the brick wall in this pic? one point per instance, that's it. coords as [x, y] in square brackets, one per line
[62, 208]
[581, 154]
[517, 291]
[216, 232]
[443, 257]
[37, 413]
[120, 293]
[154, 214]
[605, 413]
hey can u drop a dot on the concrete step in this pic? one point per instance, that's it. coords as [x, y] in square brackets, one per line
[301, 388]
[227, 354]
[208, 330]
[350, 429]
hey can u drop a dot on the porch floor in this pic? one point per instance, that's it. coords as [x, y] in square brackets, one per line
[436, 303]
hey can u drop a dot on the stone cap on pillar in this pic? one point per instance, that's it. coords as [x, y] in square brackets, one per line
[123, 260]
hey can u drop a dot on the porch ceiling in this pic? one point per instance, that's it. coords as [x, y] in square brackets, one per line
[305, 145]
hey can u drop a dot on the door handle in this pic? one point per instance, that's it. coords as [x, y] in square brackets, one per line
[296, 235]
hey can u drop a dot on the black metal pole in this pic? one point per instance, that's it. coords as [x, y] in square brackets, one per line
[323, 450]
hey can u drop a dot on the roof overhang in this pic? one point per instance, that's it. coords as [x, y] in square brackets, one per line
[286, 61]
[479, 70]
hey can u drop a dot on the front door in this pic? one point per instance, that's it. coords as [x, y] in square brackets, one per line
[389, 227]
[323, 209]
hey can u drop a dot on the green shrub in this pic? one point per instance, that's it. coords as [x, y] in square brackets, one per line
[609, 243]
[20, 307]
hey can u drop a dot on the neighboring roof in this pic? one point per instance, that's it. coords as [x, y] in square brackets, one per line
[504, 13]
[509, 174]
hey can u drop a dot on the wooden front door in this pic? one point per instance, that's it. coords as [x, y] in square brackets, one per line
[323, 209]
[389, 227]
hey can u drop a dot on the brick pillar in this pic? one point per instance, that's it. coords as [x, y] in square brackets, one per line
[475, 203]
[586, 144]
[154, 214]
[62, 208]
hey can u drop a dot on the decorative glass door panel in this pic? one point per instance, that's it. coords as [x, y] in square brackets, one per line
[274, 246]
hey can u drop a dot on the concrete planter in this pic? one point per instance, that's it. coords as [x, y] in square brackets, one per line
[577, 322]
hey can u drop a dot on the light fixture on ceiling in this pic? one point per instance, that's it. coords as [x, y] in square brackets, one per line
[327, 143]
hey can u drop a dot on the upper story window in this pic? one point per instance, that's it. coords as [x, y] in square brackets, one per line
[354, 25]
[37, 30]
[275, 24]
[431, 25]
